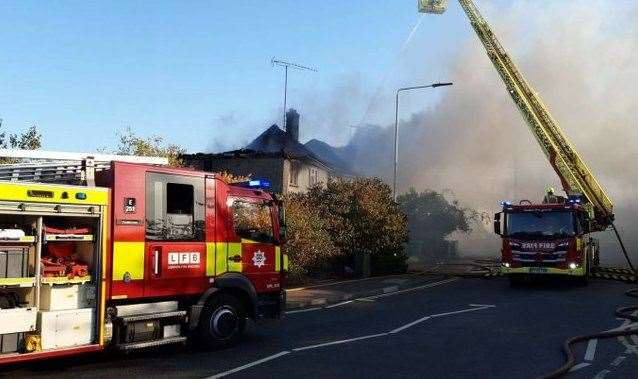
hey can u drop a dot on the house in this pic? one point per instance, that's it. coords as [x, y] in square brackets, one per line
[276, 155]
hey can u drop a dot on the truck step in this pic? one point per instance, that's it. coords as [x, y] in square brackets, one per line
[152, 316]
[141, 345]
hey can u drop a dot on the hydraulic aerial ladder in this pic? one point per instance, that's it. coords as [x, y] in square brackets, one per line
[576, 178]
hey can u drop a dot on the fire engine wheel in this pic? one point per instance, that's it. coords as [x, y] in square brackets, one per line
[222, 322]
[583, 281]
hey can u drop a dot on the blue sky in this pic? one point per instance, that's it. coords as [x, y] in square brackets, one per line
[198, 72]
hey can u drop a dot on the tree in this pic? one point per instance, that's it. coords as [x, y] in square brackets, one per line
[362, 216]
[308, 244]
[31, 139]
[154, 146]
[231, 178]
[432, 218]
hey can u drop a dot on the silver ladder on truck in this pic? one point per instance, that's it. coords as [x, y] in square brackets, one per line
[62, 167]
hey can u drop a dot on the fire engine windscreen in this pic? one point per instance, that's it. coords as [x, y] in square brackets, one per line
[253, 221]
[540, 224]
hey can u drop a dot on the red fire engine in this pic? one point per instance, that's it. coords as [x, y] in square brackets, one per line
[150, 255]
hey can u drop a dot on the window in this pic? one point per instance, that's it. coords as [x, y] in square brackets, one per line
[542, 224]
[174, 208]
[313, 177]
[295, 168]
[252, 221]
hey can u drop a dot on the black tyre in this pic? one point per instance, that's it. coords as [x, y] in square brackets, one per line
[222, 322]
[583, 281]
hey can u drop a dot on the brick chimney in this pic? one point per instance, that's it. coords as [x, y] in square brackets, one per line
[292, 124]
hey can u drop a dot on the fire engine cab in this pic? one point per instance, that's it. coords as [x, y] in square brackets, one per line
[140, 255]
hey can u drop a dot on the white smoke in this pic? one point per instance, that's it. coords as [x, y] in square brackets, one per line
[582, 58]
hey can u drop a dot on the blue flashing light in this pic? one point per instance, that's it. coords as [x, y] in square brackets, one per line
[574, 199]
[256, 184]
[506, 203]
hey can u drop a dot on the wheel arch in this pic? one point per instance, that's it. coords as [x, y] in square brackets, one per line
[234, 284]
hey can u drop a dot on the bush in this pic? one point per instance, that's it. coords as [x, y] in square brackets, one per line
[333, 224]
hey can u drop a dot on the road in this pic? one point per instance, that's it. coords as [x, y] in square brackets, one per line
[433, 327]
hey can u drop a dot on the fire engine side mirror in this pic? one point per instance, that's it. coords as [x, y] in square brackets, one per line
[497, 223]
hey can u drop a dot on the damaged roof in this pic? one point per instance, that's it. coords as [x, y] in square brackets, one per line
[274, 142]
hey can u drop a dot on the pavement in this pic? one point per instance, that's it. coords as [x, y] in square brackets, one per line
[430, 326]
[331, 293]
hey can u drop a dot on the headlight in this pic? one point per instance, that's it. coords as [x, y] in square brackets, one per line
[573, 266]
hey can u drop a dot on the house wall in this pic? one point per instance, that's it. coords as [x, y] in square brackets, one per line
[304, 180]
[256, 167]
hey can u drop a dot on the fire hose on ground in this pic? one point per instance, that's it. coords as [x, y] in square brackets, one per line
[621, 312]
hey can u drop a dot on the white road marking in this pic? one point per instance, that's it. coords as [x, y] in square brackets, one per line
[369, 298]
[429, 285]
[390, 289]
[411, 324]
[475, 307]
[463, 311]
[591, 350]
[339, 304]
[579, 366]
[618, 360]
[404, 327]
[601, 374]
[345, 281]
[248, 365]
[302, 310]
[340, 342]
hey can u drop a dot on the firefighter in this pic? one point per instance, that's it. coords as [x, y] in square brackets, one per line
[550, 196]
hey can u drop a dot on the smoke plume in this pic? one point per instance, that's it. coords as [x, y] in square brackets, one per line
[582, 58]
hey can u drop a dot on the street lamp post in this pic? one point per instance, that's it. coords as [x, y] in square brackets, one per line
[396, 126]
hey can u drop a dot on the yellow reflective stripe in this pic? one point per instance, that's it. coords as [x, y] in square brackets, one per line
[221, 257]
[53, 193]
[223, 251]
[234, 248]
[210, 259]
[277, 258]
[105, 230]
[285, 262]
[128, 257]
[558, 271]
[244, 240]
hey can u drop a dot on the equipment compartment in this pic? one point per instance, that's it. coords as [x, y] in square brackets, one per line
[11, 343]
[63, 297]
[14, 261]
[60, 329]
[15, 320]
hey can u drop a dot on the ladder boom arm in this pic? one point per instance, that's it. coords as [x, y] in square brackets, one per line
[575, 176]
